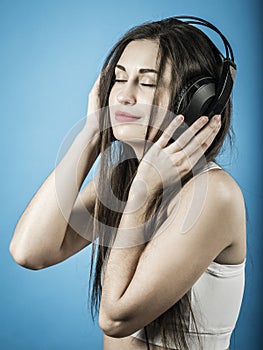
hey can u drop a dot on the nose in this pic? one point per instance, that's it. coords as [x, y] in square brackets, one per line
[127, 95]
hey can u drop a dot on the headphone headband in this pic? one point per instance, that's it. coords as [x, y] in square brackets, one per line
[202, 22]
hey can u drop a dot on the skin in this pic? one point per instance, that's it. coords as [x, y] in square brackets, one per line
[134, 90]
[218, 234]
[125, 306]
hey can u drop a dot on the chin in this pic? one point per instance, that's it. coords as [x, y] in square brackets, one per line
[130, 134]
[126, 136]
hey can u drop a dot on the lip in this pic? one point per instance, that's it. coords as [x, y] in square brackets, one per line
[125, 117]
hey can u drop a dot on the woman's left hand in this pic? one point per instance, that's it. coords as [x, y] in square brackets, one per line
[167, 163]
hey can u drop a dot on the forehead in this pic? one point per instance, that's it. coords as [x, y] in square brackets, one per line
[140, 54]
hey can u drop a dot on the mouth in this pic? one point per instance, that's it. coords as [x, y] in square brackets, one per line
[125, 117]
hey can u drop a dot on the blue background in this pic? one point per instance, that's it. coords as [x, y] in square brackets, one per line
[51, 53]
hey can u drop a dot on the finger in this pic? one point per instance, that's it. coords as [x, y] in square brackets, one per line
[93, 97]
[169, 131]
[208, 134]
[187, 135]
[203, 140]
[96, 84]
[194, 158]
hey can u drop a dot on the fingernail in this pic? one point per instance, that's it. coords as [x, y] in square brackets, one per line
[180, 117]
[217, 118]
[203, 120]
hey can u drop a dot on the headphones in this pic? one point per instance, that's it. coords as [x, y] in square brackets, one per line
[205, 96]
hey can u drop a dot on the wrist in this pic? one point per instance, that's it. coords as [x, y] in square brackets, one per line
[147, 181]
[89, 142]
[89, 135]
[81, 154]
[141, 192]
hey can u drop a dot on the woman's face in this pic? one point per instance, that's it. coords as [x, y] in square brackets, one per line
[132, 94]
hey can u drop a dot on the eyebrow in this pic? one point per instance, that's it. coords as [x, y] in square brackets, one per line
[141, 70]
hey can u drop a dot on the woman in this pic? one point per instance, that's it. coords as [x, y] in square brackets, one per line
[167, 223]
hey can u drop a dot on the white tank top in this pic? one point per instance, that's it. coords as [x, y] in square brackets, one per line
[216, 299]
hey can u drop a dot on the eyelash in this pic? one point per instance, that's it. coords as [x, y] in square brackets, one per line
[143, 84]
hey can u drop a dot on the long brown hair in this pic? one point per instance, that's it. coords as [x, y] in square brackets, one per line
[191, 54]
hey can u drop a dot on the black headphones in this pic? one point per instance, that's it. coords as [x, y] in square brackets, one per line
[205, 96]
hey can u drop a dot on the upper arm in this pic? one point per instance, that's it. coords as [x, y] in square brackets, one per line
[199, 228]
[79, 230]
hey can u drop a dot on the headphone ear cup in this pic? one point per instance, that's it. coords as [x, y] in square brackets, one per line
[224, 88]
[195, 98]
[181, 99]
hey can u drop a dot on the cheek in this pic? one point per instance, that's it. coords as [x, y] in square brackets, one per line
[113, 97]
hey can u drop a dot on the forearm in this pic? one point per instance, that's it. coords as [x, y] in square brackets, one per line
[41, 229]
[124, 256]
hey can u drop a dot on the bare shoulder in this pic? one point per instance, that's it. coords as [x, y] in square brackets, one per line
[226, 185]
[218, 188]
[214, 199]
[226, 191]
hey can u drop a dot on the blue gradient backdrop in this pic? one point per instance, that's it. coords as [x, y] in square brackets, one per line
[51, 53]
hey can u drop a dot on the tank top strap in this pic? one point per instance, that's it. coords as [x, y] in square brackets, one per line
[210, 166]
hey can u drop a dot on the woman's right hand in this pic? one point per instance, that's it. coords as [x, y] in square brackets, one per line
[92, 121]
[93, 104]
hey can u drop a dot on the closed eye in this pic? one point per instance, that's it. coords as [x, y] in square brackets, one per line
[124, 81]
[149, 85]
[120, 81]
